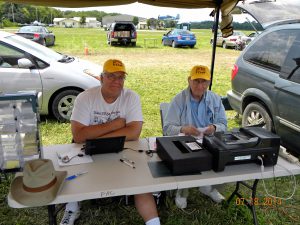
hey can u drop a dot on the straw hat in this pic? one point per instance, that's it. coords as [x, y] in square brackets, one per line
[39, 184]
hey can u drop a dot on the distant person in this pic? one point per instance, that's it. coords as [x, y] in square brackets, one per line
[110, 110]
[196, 107]
[240, 43]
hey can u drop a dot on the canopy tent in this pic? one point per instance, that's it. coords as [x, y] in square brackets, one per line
[163, 3]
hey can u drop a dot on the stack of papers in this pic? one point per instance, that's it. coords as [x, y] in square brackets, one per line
[199, 138]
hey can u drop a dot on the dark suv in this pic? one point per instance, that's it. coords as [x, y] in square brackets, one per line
[266, 83]
[122, 32]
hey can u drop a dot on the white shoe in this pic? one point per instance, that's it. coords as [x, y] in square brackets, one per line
[216, 196]
[181, 202]
[212, 193]
[70, 217]
[181, 198]
[205, 189]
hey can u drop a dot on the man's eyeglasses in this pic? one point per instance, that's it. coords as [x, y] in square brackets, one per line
[113, 77]
[201, 81]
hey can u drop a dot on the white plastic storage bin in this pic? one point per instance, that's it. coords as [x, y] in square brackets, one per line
[19, 130]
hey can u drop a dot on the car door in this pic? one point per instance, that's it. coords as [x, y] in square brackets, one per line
[48, 36]
[168, 40]
[13, 78]
[173, 36]
[108, 34]
[288, 93]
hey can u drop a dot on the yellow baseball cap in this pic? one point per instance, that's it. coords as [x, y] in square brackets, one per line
[114, 65]
[200, 72]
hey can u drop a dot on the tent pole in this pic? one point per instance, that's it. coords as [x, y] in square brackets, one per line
[215, 26]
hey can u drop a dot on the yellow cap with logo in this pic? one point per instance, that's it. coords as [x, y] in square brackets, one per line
[200, 72]
[114, 65]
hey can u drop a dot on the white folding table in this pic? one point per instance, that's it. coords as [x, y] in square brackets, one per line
[108, 177]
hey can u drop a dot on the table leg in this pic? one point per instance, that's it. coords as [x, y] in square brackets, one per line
[52, 213]
[250, 205]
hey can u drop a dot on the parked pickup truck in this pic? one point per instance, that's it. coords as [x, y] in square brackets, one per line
[122, 32]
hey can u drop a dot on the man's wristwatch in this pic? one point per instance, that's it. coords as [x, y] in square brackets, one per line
[214, 128]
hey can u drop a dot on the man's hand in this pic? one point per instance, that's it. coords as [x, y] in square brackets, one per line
[118, 123]
[189, 130]
[210, 130]
[82, 132]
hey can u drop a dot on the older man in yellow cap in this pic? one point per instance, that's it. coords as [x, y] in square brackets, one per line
[110, 110]
[196, 111]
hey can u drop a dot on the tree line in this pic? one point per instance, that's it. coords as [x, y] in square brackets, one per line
[237, 26]
[14, 14]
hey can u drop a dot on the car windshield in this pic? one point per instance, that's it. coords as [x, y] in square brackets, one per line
[238, 33]
[184, 32]
[35, 49]
[30, 29]
[122, 27]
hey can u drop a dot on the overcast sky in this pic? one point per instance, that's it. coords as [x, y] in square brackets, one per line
[148, 11]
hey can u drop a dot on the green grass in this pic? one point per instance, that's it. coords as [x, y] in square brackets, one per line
[157, 75]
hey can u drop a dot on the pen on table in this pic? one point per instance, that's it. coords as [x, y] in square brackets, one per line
[58, 155]
[127, 163]
[76, 175]
[128, 160]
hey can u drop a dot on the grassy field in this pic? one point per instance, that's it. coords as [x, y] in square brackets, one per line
[157, 74]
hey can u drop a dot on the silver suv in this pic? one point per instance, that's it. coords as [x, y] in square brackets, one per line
[122, 32]
[266, 83]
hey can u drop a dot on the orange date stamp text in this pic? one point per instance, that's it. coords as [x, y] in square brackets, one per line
[263, 201]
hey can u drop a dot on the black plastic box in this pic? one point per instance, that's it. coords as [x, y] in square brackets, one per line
[242, 145]
[175, 152]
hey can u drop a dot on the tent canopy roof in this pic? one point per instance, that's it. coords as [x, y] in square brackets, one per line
[90, 3]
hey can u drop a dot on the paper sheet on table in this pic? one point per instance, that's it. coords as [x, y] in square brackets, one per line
[199, 138]
[74, 161]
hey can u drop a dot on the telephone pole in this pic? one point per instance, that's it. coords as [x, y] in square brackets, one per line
[12, 12]
[36, 14]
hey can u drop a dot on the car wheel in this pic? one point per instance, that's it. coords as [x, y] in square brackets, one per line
[224, 45]
[174, 44]
[53, 41]
[133, 44]
[192, 46]
[63, 103]
[256, 114]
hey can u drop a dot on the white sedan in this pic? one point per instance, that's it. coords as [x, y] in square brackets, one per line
[231, 41]
[26, 66]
